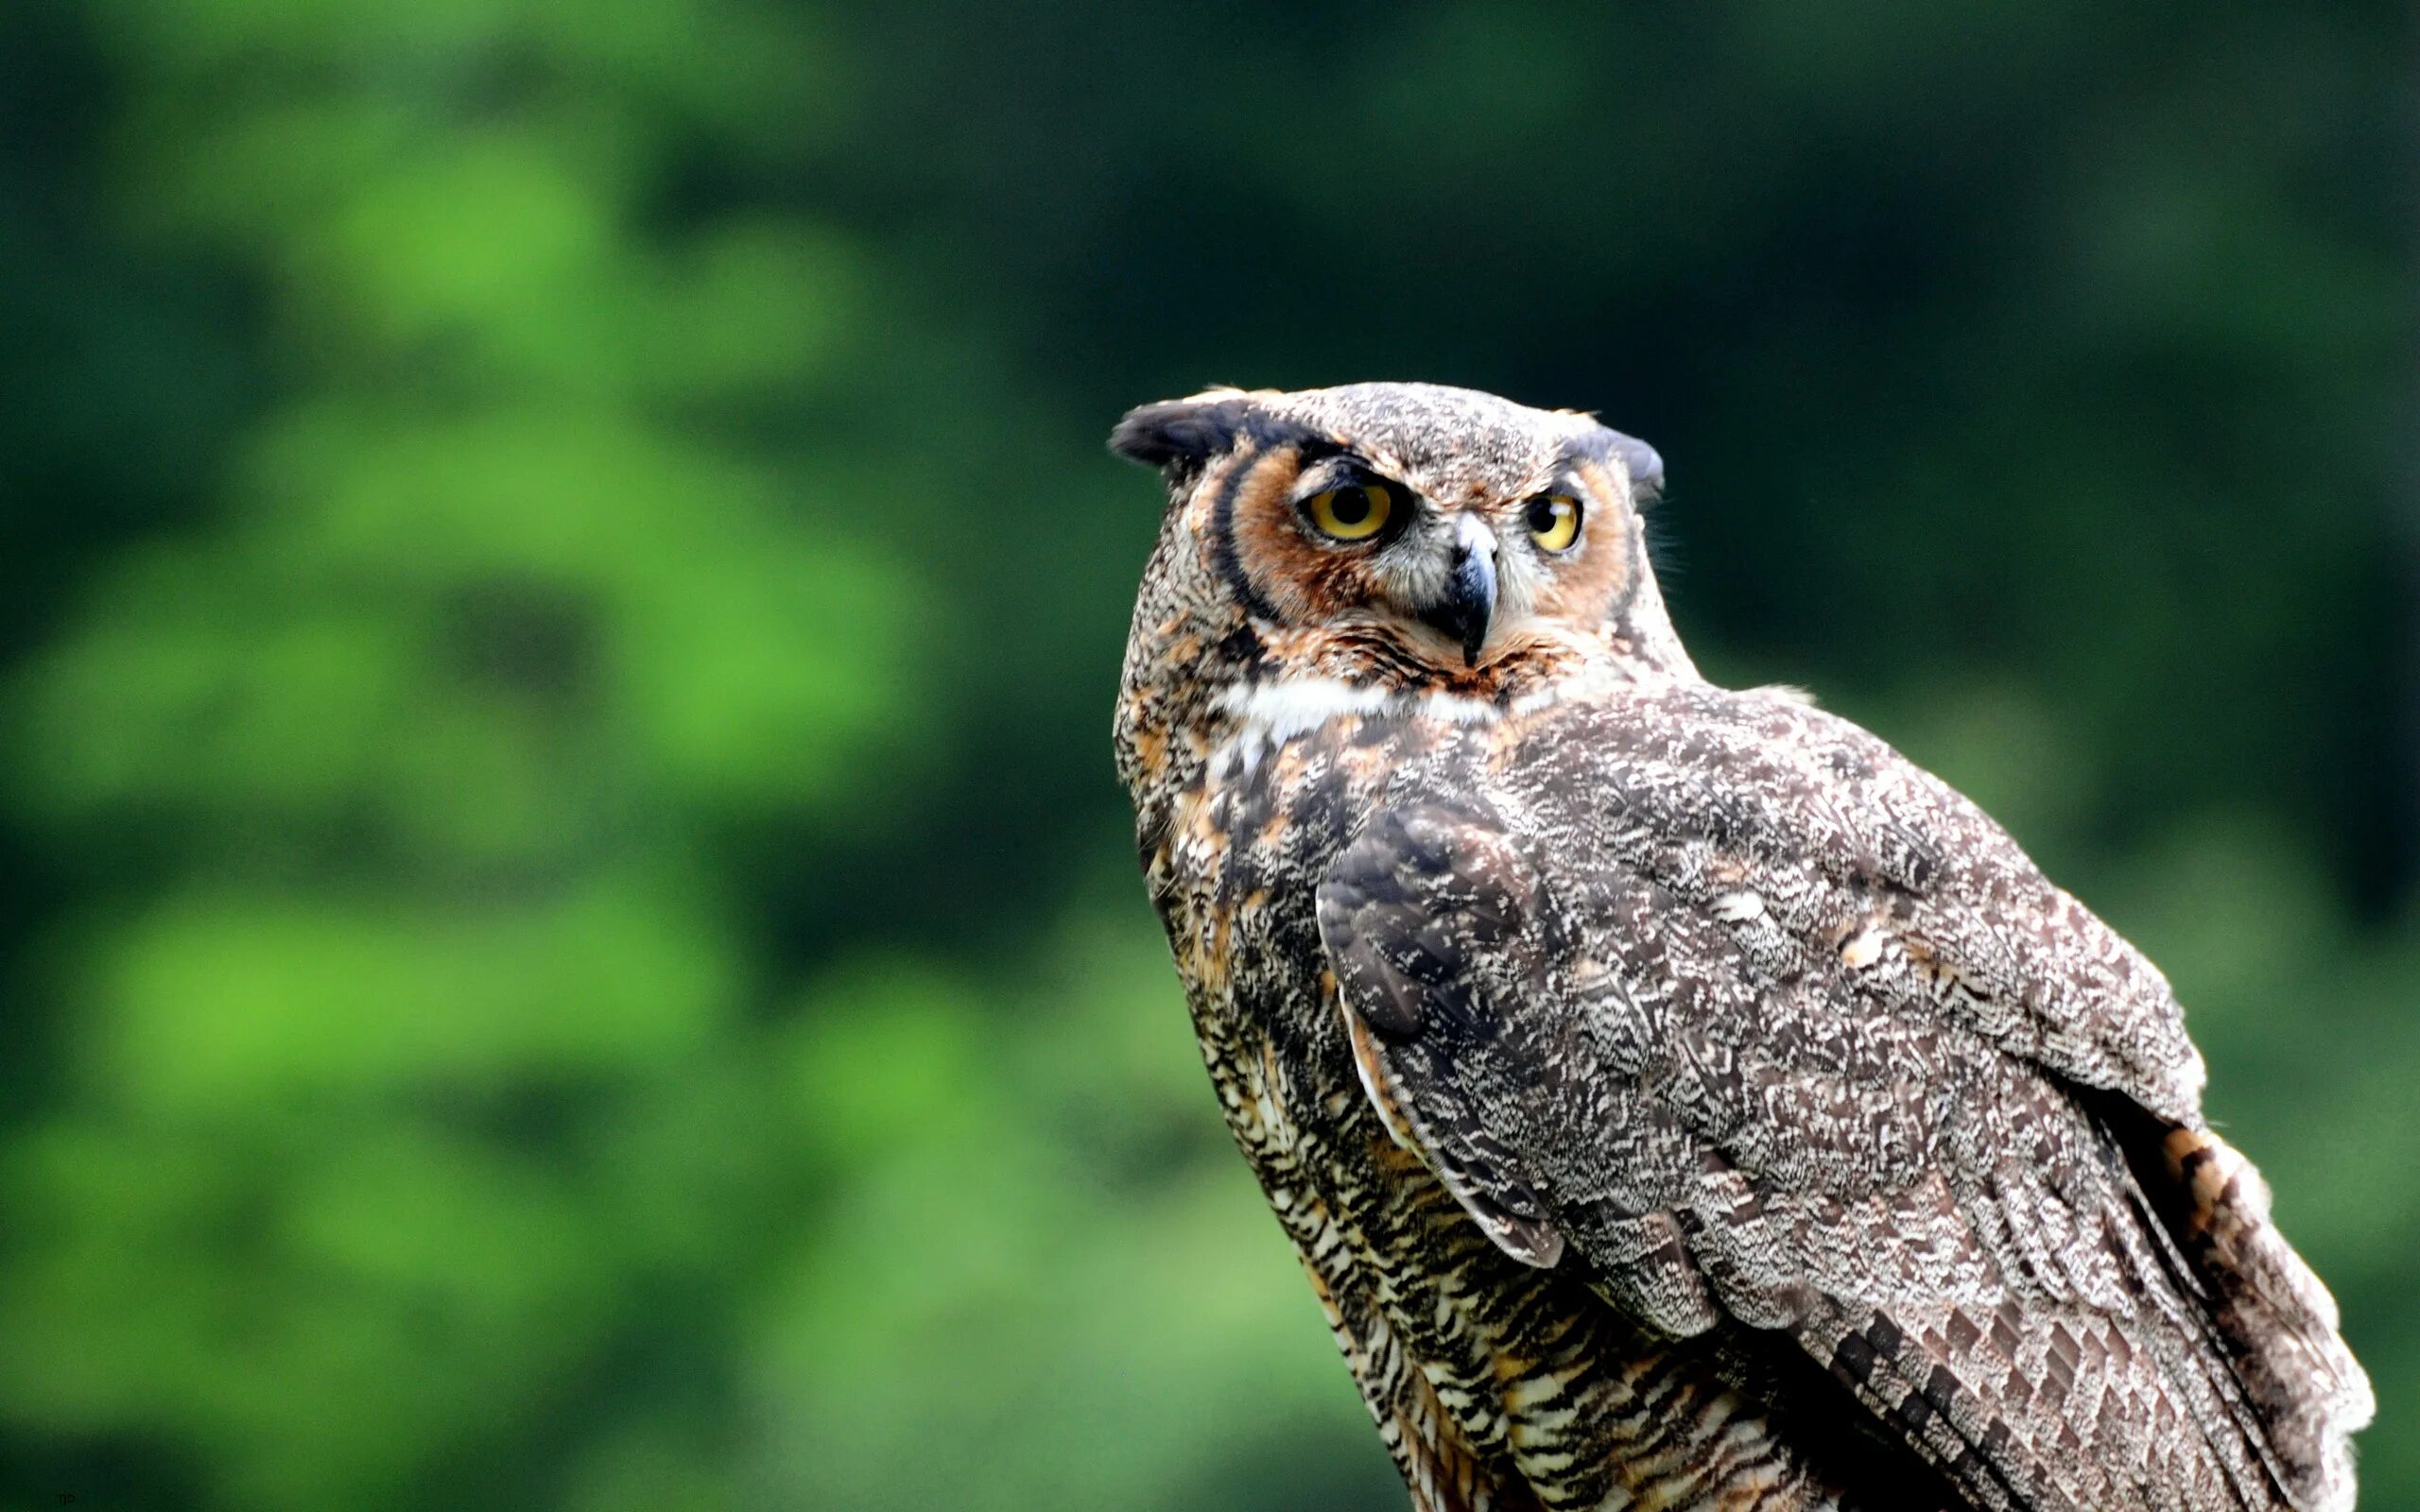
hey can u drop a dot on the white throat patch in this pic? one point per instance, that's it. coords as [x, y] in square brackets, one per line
[1271, 713]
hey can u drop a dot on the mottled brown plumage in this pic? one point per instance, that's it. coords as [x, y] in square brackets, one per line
[1678, 1099]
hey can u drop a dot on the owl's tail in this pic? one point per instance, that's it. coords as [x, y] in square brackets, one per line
[2273, 1313]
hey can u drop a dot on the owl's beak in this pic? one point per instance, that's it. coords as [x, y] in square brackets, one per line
[1469, 605]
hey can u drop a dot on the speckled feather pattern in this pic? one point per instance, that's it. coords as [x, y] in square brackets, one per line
[1677, 1098]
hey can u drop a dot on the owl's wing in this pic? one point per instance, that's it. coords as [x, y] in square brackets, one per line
[1723, 1000]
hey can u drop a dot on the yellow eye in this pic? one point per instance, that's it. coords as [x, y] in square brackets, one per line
[1354, 512]
[1554, 521]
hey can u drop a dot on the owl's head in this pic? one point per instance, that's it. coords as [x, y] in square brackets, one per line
[1397, 536]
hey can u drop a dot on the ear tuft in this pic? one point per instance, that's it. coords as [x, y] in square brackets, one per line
[1645, 465]
[1182, 434]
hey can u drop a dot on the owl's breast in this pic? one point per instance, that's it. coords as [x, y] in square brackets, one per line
[1235, 877]
[1235, 870]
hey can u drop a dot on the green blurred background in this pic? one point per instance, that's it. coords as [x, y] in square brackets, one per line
[568, 938]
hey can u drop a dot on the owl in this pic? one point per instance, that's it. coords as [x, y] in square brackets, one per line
[1676, 1097]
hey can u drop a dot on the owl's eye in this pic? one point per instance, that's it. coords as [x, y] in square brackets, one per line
[1354, 512]
[1554, 521]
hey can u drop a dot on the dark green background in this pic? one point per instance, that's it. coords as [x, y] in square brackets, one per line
[568, 938]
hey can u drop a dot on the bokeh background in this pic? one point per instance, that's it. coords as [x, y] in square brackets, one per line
[568, 938]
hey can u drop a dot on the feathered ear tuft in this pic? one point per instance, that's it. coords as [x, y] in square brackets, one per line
[1182, 435]
[1644, 464]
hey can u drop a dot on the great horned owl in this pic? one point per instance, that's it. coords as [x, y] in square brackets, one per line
[1678, 1098]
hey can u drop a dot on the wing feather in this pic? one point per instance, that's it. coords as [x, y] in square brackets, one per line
[1766, 1027]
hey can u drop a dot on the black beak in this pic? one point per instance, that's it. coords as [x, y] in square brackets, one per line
[1469, 605]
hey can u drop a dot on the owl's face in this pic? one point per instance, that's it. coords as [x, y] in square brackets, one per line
[1401, 535]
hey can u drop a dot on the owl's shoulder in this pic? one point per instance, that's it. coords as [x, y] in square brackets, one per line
[1748, 760]
[1806, 837]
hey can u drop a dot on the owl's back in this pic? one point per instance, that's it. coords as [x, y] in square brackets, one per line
[1712, 1008]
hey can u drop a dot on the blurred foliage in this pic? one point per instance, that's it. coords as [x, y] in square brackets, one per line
[569, 938]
